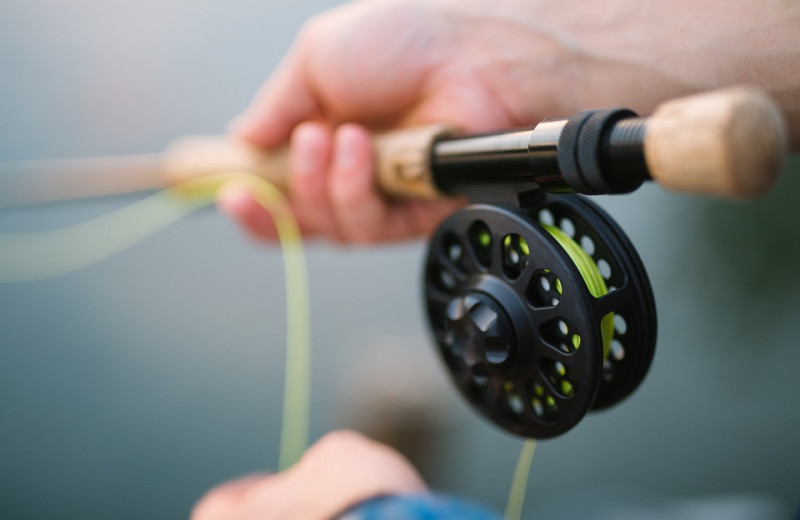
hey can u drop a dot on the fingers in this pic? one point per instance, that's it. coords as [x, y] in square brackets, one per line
[361, 213]
[310, 157]
[225, 502]
[345, 468]
[339, 471]
[333, 193]
[236, 202]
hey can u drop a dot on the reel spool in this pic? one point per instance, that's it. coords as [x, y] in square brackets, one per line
[540, 314]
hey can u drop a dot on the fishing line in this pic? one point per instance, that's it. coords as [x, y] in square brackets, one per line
[597, 287]
[516, 496]
[591, 275]
[31, 257]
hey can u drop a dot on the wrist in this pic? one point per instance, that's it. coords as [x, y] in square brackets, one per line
[551, 59]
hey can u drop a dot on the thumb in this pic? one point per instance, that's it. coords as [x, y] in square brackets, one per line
[285, 100]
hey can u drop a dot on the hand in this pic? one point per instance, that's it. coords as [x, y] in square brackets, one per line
[340, 470]
[483, 65]
[382, 64]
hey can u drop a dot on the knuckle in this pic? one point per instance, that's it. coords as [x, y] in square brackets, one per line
[335, 440]
[337, 444]
[366, 235]
[356, 231]
[214, 505]
[313, 27]
[343, 193]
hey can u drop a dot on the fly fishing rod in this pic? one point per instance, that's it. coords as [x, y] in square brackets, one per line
[538, 302]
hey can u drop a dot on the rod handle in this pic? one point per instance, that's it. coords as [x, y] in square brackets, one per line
[402, 160]
[727, 143]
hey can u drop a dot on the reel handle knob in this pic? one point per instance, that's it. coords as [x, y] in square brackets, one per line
[727, 143]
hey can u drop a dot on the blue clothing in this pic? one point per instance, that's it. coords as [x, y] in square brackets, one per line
[417, 507]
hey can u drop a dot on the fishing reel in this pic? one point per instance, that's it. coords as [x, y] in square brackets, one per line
[541, 313]
[539, 304]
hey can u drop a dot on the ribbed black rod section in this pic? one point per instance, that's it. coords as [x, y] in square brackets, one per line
[623, 151]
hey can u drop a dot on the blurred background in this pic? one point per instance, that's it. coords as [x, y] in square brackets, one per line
[130, 388]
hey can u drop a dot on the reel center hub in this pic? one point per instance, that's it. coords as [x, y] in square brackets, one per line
[480, 332]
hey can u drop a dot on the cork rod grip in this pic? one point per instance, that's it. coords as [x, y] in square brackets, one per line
[729, 143]
[402, 161]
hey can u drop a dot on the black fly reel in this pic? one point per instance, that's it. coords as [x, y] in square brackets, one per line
[541, 314]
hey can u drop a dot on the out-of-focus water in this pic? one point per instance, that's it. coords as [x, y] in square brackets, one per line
[128, 389]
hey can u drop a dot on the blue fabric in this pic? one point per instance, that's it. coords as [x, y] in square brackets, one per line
[418, 507]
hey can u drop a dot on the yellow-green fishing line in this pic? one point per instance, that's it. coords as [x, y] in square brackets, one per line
[296, 396]
[516, 497]
[31, 257]
[591, 275]
[597, 288]
[28, 257]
